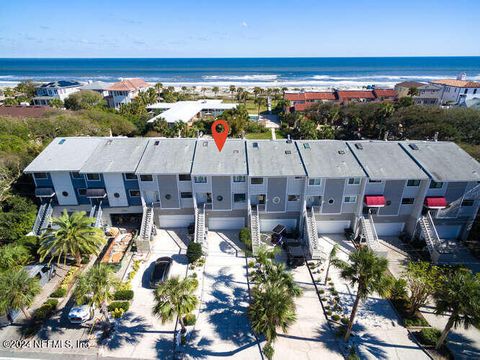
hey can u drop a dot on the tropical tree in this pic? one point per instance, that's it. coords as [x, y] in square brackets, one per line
[56, 103]
[367, 271]
[203, 90]
[458, 296]
[175, 297]
[85, 99]
[257, 91]
[17, 291]
[232, 90]
[13, 255]
[158, 87]
[413, 91]
[260, 101]
[215, 90]
[331, 259]
[422, 279]
[71, 235]
[96, 287]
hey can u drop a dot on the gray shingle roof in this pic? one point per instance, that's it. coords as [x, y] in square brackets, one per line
[328, 159]
[167, 156]
[232, 160]
[274, 158]
[385, 160]
[64, 154]
[116, 155]
[444, 161]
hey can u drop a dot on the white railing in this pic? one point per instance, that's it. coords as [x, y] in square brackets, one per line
[431, 237]
[39, 219]
[316, 252]
[254, 229]
[200, 232]
[370, 233]
[472, 194]
[98, 216]
[147, 223]
[93, 210]
[46, 217]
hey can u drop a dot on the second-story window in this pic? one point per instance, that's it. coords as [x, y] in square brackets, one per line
[256, 181]
[146, 177]
[436, 185]
[413, 182]
[40, 175]
[239, 179]
[314, 181]
[77, 175]
[93, 177]
[353, 181]
[200, 179]
[184, 177]
[130, 176]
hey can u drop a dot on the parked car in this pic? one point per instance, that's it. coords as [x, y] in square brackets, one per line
[278, 233]
[161, 269]
[295, 255]
[80, 314]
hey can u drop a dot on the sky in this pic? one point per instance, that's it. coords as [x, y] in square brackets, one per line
[246, 28]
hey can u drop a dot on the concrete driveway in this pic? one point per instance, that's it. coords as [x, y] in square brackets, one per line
[139, 334]
[222, 329]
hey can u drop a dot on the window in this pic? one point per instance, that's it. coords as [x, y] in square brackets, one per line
[408, 201]
[436, 185]
[275, 200]
[40, 175]
[134, 193]
[350, 199]
[374, 181]
[77, 175]
[130, 176]
[200, 179]
[331, 201]
[314, 181]
[168, 196]
[353, 181]
[306, 146]
[293, 197]
[466, 91]
[238, 179]
[184, 177]
[64, 193]
[186, 195]
[413, 182]
[256, 181]
[146, 177]
[474, 91]
[298, 177]
[116, 195]
[239, 198]
[219, 198]
[82, 192]
[93, 177]
[467, 202]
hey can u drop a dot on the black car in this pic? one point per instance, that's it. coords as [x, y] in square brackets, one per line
[161, 269]
[295, 255]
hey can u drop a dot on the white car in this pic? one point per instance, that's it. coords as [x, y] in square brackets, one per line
[80, 314]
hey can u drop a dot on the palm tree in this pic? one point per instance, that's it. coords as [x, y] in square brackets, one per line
[232, 90]
[71, 235]
[458, 295]
[175, 297]
[158, 87]
[413, 91]
[332, 257]
[215, 90]
[257, 91]
[366, 270]
[204, 90]
[97, 285]
[259, 101]
[271, 308]
[17, 291]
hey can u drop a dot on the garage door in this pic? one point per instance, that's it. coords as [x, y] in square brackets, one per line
[332, 227]
[389, 229]
[448, 231]
[269, 224]
[175, 221]
[222, 223]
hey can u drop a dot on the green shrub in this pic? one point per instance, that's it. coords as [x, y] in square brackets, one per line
[251, 264]
[59, 293]
[117, 313]
[327, 307]
[352, 354]
[194, 252]
[399, 289]
[123, 295]
[194, 275]
[335, 317]
[246, 238]
[329, 313]
[344, 320]
[52, 303]
[323, 298]
[335, 293]
[321, 291]
[429, 336]
[124, 305]
[189, 319]
[45, 311]
[415, 321]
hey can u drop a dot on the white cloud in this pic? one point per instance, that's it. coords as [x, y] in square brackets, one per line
[244, 24]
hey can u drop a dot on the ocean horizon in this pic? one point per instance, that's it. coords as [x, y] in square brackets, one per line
[300, 72]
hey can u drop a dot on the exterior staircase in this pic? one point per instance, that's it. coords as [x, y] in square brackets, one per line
[200, 234]
[433, 241]
[147, 223]
[254, 228]
[96, 212]
[311, 232]
[43, 218]
[370, 234]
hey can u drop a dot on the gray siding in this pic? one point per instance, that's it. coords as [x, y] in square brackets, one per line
[277, 187]
[221, 186]
[333, 190]
[393, 192]
[455, 190]
[168, 186]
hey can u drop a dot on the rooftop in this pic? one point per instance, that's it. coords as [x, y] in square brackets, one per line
[129, 85]
[167, 156]
[116, 155]
[409, 84]
[457, 83]
[443, 161]
[60, 84]
[385, 160]
[96, 85]
[64, 154]
[385, 93]
[232, 160]
[274, 158]
[355, 94]
[329, 159]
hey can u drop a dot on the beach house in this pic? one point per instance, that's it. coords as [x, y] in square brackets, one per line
[55, 90]
[123, 92]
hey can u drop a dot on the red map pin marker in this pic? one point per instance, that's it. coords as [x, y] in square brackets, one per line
[220, 137]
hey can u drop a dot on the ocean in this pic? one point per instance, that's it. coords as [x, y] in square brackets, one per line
[246, 72]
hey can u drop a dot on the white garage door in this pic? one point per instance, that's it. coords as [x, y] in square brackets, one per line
[389, 229]
[448, 231]
[269, 224]
[332, 227]
[222, 223]
[175, 221]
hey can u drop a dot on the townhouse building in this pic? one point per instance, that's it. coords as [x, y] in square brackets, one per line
[376, 189]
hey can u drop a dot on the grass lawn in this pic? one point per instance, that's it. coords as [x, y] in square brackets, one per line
[279, 135]
[259, 136]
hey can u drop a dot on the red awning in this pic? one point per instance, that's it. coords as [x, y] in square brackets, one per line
[375, 200]
[436, 202]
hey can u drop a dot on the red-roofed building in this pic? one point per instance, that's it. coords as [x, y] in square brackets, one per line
[355, 95]
[385, 94]
[125, 91]
[301, 101]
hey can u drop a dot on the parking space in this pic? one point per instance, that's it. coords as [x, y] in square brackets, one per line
[139, 334]
[222, 328]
